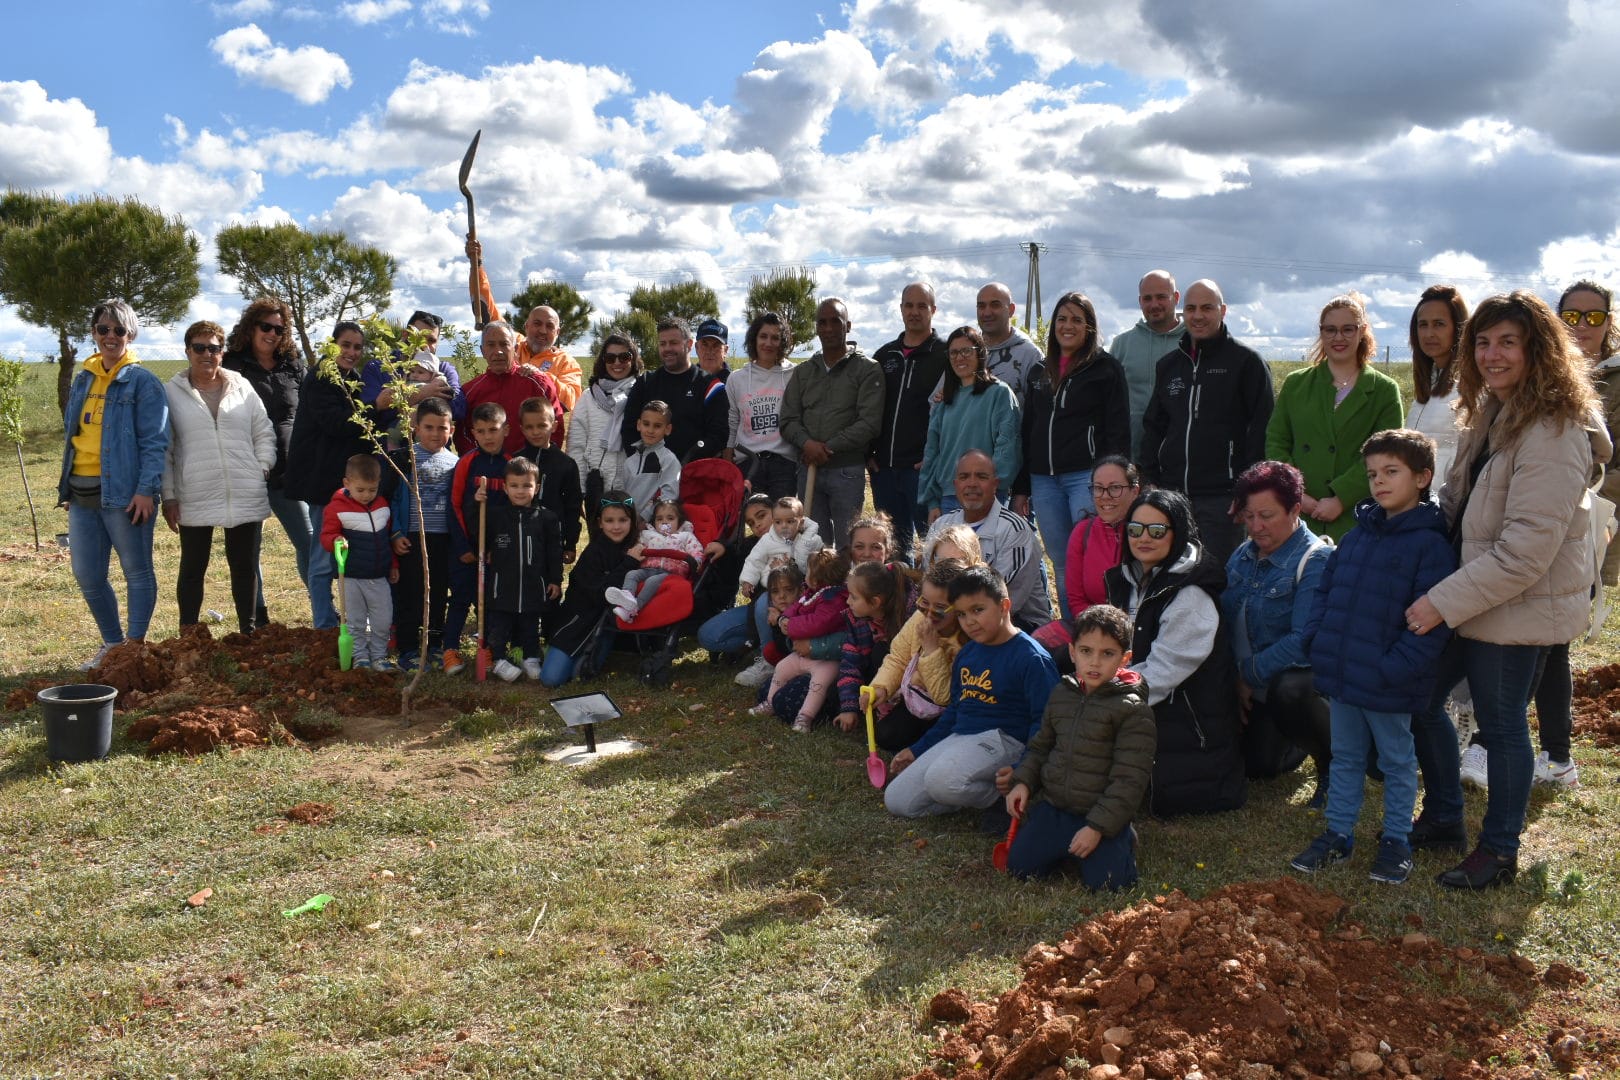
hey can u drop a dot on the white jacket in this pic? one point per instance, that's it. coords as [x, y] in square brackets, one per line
[595, 420]
[216, 470]
[757, 567]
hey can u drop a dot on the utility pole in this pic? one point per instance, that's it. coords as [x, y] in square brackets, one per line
[1032, 287]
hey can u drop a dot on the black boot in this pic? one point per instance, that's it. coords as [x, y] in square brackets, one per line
[1483, 869]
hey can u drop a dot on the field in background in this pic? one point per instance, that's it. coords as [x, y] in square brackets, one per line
[732, 902]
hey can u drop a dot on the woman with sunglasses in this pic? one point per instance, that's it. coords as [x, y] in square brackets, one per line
[1076, 410]
[222, 447]
[324, 437]
[1168, 583]
[593, 434]
[1585, 309]
[1326, 411]
[1435, 329]
[116, 439]
[976, 411]
[754, 398]
[1271, 584]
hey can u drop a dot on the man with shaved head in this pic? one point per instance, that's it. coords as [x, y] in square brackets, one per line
[1206, 420]
[539, 349]
[1012, 354]
[1138, 349]
[832, 409]
[912, 365]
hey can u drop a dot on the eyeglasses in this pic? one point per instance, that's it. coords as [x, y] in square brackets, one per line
[199, 349]
[1341, 331]
[1591, 318]
[615, 358]
[1113, 491]
[937, 611]
[1135, 529]
[963, 354]
[272, 328]
[103, 330]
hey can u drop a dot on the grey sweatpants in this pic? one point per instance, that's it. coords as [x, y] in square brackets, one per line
[370, 611]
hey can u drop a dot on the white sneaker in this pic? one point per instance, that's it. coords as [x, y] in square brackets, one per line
[1556, 774]
[531, 668]
[1473, 766]
[507, 670]
[621, 598]
[101, 654]
[755, 674]
[625, 614]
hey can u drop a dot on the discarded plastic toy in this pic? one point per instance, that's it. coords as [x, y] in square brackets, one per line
[314, 903]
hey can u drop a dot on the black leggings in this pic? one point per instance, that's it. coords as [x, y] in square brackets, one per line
[1296, 712]
[899, 729]
[241, 554]
[1555, 692]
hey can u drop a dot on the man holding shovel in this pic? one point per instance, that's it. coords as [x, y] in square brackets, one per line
[831, 411]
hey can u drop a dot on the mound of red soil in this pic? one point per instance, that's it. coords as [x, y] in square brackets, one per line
[1596, 709]
[1255, 981]
[309, 813]
[198, 730]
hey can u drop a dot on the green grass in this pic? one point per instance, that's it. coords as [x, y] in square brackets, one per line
[732, 902]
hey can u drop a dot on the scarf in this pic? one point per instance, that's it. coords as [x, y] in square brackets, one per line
[611, 394]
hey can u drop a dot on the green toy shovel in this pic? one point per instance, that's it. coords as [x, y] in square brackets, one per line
[340, 553]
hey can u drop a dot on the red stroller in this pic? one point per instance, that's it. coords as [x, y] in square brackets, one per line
[711, 495]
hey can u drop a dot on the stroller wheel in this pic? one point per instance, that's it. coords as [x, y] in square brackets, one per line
[656, 671]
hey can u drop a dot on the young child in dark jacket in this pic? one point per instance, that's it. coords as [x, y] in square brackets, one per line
[1087, 769]
[1365, 658]
[525, 557]
[604, 562]
[486, 459]
[358, 517]
[559, 474]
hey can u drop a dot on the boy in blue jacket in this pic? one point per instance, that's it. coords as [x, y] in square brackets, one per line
[998, 695]
[1374, 671]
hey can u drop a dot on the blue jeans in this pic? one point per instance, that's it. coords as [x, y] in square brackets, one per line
[294, 518]
[1356, 732]
[1042, 847]
[1058, 502]
[93, 535]
[1501, 678]
[894, 491]
[321, 571]
[558, 667]
[728, 632]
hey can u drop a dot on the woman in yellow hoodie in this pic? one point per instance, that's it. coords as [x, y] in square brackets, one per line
[117, 434]
[917, 671]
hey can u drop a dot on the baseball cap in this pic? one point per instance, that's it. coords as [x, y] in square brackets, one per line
[711, 328]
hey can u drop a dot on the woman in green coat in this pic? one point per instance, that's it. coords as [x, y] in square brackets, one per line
[1326, 411]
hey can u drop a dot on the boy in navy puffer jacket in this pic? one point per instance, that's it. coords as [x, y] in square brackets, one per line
[1374, 670]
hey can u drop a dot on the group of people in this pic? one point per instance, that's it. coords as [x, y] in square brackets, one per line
[1215, 530]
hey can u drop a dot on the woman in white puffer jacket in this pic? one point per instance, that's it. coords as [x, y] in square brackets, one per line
[222, 446]
[593, 430]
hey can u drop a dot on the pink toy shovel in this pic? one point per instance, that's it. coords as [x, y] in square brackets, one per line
[876, 770]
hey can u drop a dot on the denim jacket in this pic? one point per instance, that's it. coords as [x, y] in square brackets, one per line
[134, 436]
[1267, 603]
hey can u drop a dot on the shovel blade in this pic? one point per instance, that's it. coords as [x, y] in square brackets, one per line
[876, 770]
[345, 649]
[481, 665]
[998, 855]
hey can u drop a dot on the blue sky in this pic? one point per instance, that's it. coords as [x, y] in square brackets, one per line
[879, 141]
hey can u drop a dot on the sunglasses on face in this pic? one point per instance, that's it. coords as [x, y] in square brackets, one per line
[118, 331]
[199, 349]
[1156, 531]
[1590, 318]
[616, 358]
[935, 611]
[272, 328]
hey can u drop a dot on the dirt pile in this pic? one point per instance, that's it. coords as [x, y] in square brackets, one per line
[198, 730]
[1254, 981]
[1596, 709]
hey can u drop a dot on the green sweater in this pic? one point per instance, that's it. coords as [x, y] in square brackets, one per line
[1324, 442]
[1094, 752]
[842, 407]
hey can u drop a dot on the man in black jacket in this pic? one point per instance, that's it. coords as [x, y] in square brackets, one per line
[1206, 421]
[912, 364]
[697, 400]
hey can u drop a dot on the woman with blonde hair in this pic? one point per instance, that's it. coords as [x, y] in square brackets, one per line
[1517, 507]
[1326, 411]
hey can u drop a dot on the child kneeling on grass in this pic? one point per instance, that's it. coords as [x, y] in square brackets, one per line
[1087, 769]
[1374, 670]
[1002, 680]
[822, 613]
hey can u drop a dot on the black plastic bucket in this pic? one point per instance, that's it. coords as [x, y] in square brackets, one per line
[78, 721]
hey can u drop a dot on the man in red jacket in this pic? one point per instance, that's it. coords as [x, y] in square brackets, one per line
[507, 383]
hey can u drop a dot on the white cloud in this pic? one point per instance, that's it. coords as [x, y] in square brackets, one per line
[244, 9]
[450, 16]
[366, 12]
[309, 72]
[49, 143]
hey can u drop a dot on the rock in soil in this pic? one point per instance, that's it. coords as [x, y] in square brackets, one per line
[1258, 979]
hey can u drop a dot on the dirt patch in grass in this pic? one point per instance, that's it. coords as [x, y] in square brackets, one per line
[200, 729]
[309, 813]
[1596, 709]
[1261, 980]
